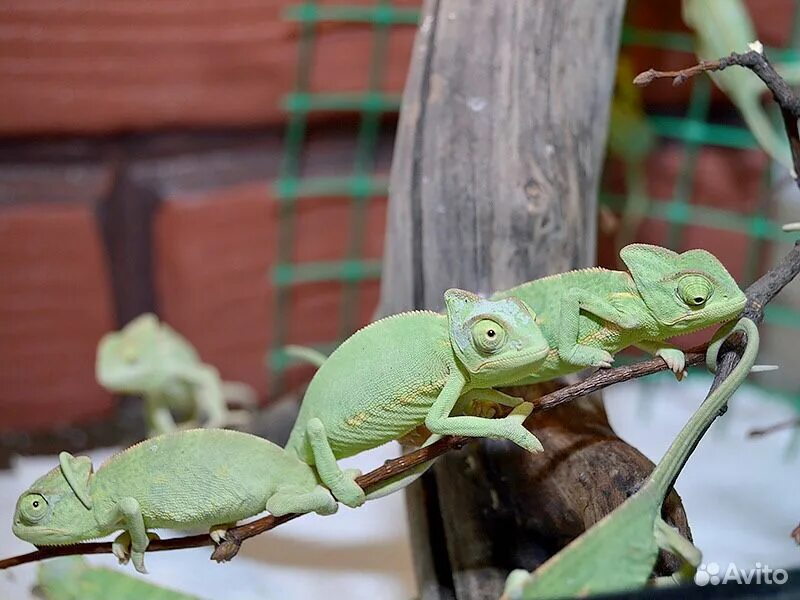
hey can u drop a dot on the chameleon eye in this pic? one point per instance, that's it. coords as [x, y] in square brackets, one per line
[694, 290]
[488, 335]
[33, 508]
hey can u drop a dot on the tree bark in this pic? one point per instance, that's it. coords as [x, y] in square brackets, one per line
[494, 182]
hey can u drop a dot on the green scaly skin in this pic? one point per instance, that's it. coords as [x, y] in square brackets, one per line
[200, 478]
[151, 359]
[72, 578]
[619, 552]
[589, 315]
[419, 368]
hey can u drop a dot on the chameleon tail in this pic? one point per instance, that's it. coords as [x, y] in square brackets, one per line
[405, 479]
[305, 354]
[678, 453]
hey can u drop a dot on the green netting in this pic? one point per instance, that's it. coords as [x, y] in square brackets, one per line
[360, 185]
[692, 130]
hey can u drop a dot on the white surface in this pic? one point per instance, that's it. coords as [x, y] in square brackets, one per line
[741, 496]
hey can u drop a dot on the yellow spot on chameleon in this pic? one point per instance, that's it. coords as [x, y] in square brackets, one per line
[357, 420]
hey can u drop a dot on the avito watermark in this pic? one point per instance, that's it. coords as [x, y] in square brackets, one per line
[712, 574]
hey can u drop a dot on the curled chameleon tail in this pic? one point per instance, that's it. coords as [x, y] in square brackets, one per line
[619, 551]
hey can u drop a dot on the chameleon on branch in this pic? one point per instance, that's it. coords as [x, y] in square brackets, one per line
[619, 551]
[150, 358]
[419, 368]
[73, 578]
[589, 315]
[193, 479]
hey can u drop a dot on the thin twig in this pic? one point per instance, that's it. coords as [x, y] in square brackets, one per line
[790, 424]
[758, 294]
[755, 60]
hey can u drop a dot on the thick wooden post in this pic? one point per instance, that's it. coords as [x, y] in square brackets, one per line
[494, 182]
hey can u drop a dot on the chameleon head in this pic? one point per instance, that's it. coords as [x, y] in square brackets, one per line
[683, 292]
[497, 341]
[127, 360]
[56, 509]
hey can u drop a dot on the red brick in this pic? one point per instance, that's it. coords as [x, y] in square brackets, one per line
[100, 67]
[213, 254]
[55, 304]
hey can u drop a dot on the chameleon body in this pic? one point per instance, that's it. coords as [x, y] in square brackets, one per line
[72, 578]
[194, 479]
[619, 552]
[411, 369]
[589, 315]
[151, 359]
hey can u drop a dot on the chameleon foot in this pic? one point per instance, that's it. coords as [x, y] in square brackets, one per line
[675, 359]
[516, 431]
[590, 357]
[121, 548]
[217, 532]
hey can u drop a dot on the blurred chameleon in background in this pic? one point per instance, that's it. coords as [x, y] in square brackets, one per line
[153, 360]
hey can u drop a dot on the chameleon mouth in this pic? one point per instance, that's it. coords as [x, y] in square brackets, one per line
[523, 360]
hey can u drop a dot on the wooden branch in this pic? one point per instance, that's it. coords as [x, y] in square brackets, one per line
[755, 60]
[759, 294]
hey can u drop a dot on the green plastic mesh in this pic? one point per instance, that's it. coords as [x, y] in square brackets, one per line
[693, 130]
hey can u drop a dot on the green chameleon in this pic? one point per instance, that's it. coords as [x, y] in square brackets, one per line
[722, 27]
[150, 358]
[417, 368]
[586, 316]
[589, 315]
[193, 479]
[620, 550]
[72, 578]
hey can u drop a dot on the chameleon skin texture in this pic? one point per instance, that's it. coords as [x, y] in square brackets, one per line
[72, 578]
[386, 379]
[151, 359]
[619, 551]
[589, 315]
[200, 478]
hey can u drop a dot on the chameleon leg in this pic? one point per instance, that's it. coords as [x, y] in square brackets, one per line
[668, 538]
[573, 302]
[207, 387]
[674, 357]
[159, 419]
[287, 500]
[340, 483]
[510, 428]
[134, 540]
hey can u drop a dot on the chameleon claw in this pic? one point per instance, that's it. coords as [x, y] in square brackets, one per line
[121, 547]
[137, 558]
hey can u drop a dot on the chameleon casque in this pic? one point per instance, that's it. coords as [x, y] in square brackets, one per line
[152, 359]
[589, 315]
[419, 368]
[193, 479]
[620, 550]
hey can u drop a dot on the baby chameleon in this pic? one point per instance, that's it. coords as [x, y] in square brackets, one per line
[152, 359]
[591, 314]
[194, 479]
[417, 368]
